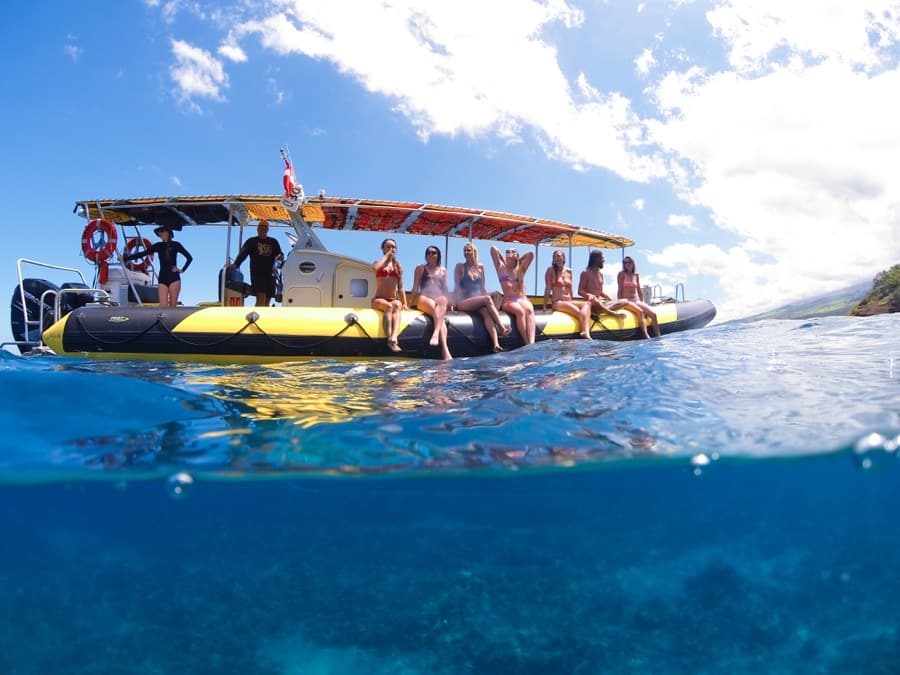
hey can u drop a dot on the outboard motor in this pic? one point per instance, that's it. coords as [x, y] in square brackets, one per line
[20, 316]
[71, 301]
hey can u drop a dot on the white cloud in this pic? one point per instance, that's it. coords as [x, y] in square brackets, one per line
[176, 181]
[232, 52]
[856, 33]
[790, 148]
[794, 156]
[494, 75]
[682, 222]
[638, 204]
[645, 62]
[74, 52]
[197, 74]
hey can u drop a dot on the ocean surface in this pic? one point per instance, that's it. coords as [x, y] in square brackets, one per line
[721, 500]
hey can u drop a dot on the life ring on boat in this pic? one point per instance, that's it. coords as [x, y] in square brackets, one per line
[104, 246]
[139, 244]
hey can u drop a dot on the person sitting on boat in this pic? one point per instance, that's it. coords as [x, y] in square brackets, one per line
[630, 289]
[430, 285]
[169, 277]
[471, 295]
[263, 251]
[590, 287]
[511, 273]
[558, 280]
[390, 297]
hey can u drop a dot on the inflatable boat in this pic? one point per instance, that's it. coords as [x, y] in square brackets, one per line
[323, 302]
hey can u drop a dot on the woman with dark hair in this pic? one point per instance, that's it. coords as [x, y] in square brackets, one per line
[472, 296]
[511, 273]
[558, 285]
[630, 289]
[169, 277]
[590, 287]
[433, 298]
[390, 297]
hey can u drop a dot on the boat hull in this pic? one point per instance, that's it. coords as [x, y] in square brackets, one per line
[274, 334]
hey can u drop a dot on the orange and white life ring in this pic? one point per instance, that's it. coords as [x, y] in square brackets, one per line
[139, 244]
[99, 239]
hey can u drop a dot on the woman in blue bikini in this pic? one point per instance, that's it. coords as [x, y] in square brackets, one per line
[472, 296]
[511, 273]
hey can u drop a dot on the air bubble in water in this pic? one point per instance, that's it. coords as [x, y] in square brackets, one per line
[699, 461]
[874, 450]
[179, 484]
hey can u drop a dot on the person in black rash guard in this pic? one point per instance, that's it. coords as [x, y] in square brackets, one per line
[263, 251]
[169, 277]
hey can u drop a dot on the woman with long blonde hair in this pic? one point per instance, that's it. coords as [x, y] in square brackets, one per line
[472, 296]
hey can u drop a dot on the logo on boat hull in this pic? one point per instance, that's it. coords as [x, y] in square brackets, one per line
[118, 319]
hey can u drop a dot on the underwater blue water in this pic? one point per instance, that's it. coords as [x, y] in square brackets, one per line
[721, 500]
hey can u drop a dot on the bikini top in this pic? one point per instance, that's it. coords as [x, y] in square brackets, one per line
[630, 282]
[385, 272]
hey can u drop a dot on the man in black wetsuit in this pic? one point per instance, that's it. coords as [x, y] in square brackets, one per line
[263, 251]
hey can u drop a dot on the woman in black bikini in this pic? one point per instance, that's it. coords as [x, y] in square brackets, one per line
[558, 280]
[430, 283]
[388, 286]
[511, 273]
[169, 277]
[472, 296]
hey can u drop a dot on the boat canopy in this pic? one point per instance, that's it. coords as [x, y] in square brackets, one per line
[337, 213]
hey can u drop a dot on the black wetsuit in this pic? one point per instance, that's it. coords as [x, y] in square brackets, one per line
[167, 252]
[262, 252]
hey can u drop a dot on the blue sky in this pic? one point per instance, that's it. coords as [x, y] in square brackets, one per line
[749, 148]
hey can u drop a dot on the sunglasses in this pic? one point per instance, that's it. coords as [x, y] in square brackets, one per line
[431, 252]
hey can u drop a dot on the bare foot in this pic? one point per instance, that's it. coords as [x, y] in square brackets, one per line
[497, 349]
[393, 346]
[504, 330]
[434, 340]
[586, 336]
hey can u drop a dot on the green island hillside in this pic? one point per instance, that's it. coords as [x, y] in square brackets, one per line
[884, 297]
[881, 296]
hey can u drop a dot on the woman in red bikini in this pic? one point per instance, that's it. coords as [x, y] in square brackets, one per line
[511, 273]
[558, 280]
[630, 289]
[390, 297]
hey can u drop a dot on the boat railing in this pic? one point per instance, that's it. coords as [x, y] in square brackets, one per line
[679, 287]
[39, 322]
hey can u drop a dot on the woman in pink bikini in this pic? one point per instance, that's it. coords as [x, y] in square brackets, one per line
[390, 297]
[558, 285]
[511, 273]
[630, 289]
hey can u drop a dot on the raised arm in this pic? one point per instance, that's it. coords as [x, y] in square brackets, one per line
[525, 262]
[381, 262]
[497, 257]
